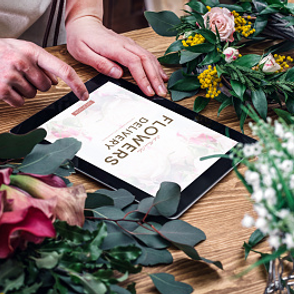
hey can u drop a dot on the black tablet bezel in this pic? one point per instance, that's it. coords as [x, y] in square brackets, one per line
[190, 194]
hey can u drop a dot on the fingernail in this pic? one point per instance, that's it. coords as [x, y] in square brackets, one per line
[85, 96]
[162, 90]
[115, 73]
[150, 90]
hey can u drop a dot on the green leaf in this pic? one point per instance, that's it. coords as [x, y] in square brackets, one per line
[163, 22]
[10, 143]
[260, 102]
[187, 56]
[150, 257]
[167, 198]
[181, 232]
[192, 253]
[290, 104]
[198, 6]
[270, 9]
[232, 7]
[29, 289]
[248, 60]
[150, 237]
[187, 84]
[208, 35]
[130, 252]
[121, 198]
[124, 266]
[210, 3]
[256, 237]
[290, 75]
[238, 88]
[211, 57]
[15, 284]
[172, 58]
[45, 159]
[259, 24]
[90, 283]
[73, 233]
[146, 204]
[285, 115]
[179, 95]
[95, 200]
[238, 106]
[166, 284]
[201, 48]
[9, 270]
[48, 260]
[115, 235]
[225, 103]
[119, 290]
[200, 103]
[174, 47]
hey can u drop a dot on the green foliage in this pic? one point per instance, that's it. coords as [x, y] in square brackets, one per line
[163, 22]
[10, 143]
[46, 159]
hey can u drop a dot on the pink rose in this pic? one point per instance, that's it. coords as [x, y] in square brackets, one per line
[223, 19]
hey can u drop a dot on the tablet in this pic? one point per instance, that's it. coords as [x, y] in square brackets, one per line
[134, 142]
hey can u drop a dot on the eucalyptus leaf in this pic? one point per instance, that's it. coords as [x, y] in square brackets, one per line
[45, 159]
[260, 102]
[150, 257]
[115, 235]
[270, 9]
[163, 22]
[130, 252]
[232, 7]
[121, 198]
[167, 198]
[119, 290]
[211, 3]
[200, 103]
[10, 143]
[181, 232]
[146, 205]
[192, 253]
[166, 284]
[150, 237]
[95, 200]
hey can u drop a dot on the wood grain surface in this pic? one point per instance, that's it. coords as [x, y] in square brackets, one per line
[218, 213]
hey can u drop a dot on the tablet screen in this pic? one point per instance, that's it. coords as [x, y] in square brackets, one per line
[137, 140]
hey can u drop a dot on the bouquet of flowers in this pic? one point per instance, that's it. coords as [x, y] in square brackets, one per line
[269, 179]
[208, 46]
[56, 238]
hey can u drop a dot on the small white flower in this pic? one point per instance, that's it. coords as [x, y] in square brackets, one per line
[251, 177]
[291, 184]
[269, 64]
[248, 150]
[267, 180]
[257, 196]
[262, 224]
[274, 241]
[279, 130]
[290, 147]
[286, 166]
[269, 120]
[288, 240]
[231, 54]
[247, 221]
[261, 211]
[283, 213]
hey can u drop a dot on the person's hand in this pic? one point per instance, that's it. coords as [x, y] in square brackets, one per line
[91, 43]
[26, 68]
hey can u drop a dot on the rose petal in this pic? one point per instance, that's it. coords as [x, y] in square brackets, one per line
[51, 180]
[14, 223]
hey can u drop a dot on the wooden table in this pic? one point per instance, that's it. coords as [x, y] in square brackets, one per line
[218, 213]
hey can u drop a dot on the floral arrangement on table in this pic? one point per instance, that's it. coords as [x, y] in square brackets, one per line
[269, 179]
[56, 238]
[209, 39]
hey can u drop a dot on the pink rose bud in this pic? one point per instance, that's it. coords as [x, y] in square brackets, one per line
[231, 54]
[269, 64]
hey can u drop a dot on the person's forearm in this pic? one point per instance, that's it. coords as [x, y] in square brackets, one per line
[79, 8]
